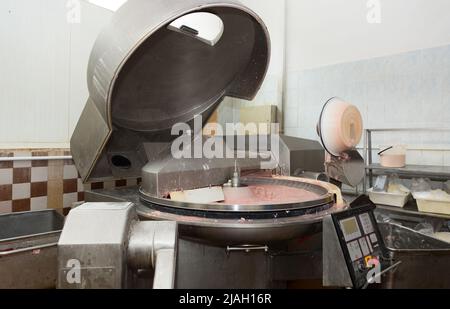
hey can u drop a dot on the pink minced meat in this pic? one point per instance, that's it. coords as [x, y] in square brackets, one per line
[267, 194]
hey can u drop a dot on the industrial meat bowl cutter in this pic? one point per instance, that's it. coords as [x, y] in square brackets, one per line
[159, 63]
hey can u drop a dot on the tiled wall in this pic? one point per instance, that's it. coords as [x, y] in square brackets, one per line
[270, 94]
[47, 184]
[409, 90]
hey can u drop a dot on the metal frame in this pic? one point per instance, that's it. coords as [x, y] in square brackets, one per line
[434, 172]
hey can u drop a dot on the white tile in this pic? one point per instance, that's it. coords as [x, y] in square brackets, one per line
[131, 182]
[292, 79]
[109, 184]
[70, 172]
[414, 157]
[447, 158]
[292, 98]
[291, 117]
[19, 164]
[69, 199]
[80, 185]
[6, 176]
[39, 174]
[5, 207]
[21, 191]
[39, 203]
[433, 158]
[87, 187]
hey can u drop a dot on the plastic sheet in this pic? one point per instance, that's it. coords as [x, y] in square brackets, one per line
[421, 185]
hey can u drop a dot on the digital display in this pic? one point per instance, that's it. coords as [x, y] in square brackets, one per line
[350, 226]
[350, 229]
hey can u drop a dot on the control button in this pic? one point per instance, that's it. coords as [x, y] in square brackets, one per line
[372, 261]
[373, 238]
[354, 250]
[366, 223]
[364, 247]
[362, 267]
[368, 259]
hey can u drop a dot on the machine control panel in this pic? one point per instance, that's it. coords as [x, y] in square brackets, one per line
[362, 245]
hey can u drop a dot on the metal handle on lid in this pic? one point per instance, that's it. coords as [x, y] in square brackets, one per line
[247, 248]
[383, 151]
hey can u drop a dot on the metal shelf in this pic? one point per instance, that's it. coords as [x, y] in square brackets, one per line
[413, 171]
[411, 209]
[440, 172]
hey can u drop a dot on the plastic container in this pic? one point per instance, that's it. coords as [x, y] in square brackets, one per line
[428, 203]
[393, 156]
[389, 199]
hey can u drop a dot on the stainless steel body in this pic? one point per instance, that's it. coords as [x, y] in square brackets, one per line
[28, 249]
[144, 77]
[220, 253]
[105, 246]
[221, 231]
[347, 169]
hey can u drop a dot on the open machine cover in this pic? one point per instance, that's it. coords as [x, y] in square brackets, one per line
[148, 72]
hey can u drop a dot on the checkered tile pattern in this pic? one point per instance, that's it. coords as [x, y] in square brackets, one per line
[39, 185]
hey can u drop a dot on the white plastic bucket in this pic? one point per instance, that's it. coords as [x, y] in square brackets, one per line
[393, 156]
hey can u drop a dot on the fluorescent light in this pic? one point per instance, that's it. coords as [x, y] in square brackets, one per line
[112, 5]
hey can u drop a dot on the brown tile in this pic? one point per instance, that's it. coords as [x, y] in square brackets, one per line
[6, 164]
[39, 163]
[97, 185]
[22, 175]
[38, 189]
[70, 185]
[121, 183]
[80, 196]
[139, 181]
[21, 205]
[55, 194]
[66, 211]
[56, 152]
[5, 193]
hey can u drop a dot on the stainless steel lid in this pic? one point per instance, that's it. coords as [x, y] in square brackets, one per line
[161, 62]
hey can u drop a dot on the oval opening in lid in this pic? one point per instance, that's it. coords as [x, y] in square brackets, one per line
[171, 76]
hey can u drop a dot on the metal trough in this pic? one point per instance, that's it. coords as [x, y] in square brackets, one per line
[28, 249]
[425, 260]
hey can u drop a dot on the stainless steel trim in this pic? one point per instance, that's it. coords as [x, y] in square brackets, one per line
[42, 158]
[8, 240]
[325, 198]
[14, 252]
